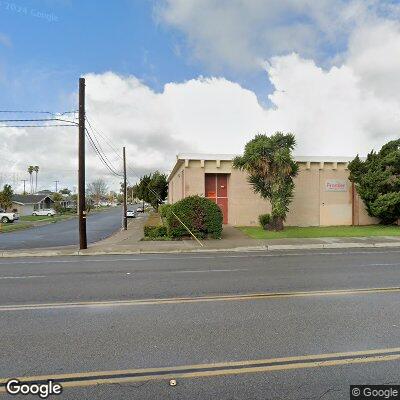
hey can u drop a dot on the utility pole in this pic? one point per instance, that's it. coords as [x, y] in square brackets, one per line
[125, 221]
[81, 171]
[24, 180]
[56, 182]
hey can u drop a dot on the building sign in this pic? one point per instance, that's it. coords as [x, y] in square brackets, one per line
[335, 185]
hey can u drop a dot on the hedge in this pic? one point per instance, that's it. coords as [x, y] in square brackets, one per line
[154, 227]
[201, 215]
[164, 209]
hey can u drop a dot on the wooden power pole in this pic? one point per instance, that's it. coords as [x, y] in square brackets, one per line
[125, 220]
[81, 172]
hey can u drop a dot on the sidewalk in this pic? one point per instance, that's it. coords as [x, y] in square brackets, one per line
[129, 242]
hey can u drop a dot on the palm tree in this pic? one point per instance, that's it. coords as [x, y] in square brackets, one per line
[271, 168]
[30, 172]
[36, 169]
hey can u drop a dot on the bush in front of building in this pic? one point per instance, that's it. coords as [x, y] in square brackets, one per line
[201, 215]
[154, 227]
[264, 220]
[164, 210]
[377, 181]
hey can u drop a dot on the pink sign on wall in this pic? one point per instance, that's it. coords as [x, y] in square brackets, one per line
[335, 185]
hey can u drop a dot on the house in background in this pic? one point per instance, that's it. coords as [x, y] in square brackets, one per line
[25, 204]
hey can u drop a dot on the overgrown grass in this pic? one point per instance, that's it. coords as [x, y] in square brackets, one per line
[4, 228]
[40, 218]
[30, 221]
[322, 231]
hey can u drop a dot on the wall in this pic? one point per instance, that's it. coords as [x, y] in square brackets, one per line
[312, 205]
[23, 210]
[175, 186]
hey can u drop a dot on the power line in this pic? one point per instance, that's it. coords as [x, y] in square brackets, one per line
[36, 112]
[108, 141]
[99, 154]
[99, 146]
[35, 126]
[38, 120]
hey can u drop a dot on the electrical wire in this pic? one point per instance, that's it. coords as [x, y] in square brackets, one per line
[100, 155]
[35, 126]
[38, 120]
[99, 147]
[36, 112]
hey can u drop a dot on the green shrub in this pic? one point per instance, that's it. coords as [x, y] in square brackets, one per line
[201, 215]
[154, 227]
[155, 231]
[264, 220]
[164, 210]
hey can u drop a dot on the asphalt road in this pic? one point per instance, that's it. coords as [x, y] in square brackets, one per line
[323, 314]
[64, 233]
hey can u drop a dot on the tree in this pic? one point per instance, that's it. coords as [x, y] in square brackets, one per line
[58, 198]
[65, 191]
[268, 161]
[97, 190]
[158, 189]
[377, 181]
[132, 192]
[153, 189]
[6, 197]
[30, 172]
[36, 170]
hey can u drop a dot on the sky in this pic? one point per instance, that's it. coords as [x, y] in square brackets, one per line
[170, 76]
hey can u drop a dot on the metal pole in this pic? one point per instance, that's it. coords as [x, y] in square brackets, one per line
[125, 221]
[81, 173]
[56, 182]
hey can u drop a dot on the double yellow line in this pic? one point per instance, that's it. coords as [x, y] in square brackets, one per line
[216, 369]
[200, 299]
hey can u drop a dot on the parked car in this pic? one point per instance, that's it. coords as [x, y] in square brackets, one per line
[131, 214]
[139, 209]
[6, 217]
[49, 212]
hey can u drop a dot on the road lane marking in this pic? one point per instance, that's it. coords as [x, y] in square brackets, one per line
[203, 270]
[23, 277]
[199, 299]
[250, 254]
[213, 369]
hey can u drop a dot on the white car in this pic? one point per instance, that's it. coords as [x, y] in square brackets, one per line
[6, 217]
[130, 214]
[139, 209]
[49, 212]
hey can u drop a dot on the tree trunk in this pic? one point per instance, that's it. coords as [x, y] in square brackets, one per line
[276, 224]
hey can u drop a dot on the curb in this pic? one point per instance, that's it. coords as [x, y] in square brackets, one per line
[89, 252]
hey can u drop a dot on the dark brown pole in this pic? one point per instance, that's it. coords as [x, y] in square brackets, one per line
[125, 194]
[81, 173]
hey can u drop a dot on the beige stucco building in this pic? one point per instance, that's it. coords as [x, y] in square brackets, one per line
[323, 195]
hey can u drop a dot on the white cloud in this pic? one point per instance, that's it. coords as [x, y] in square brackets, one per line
[330, 112]
[239, 34]
[340, 110]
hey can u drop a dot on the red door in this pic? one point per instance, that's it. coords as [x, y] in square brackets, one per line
[216, 188]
